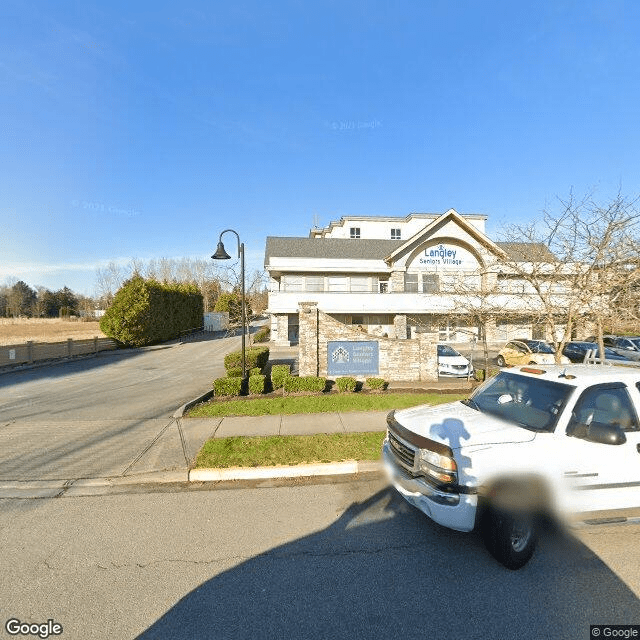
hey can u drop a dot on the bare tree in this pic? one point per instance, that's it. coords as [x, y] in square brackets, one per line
[576, 264]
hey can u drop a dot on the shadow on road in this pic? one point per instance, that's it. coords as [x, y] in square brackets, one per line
[61, 368]
[383, 570]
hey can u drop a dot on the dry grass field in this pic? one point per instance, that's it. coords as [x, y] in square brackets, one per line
[19, 330]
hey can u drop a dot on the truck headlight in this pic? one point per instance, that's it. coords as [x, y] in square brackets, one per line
[436, 466]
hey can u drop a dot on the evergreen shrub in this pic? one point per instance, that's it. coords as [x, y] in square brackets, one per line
[346, 383]
[147, 312]
[256, 383]
[377, 384]
[227, 386]
[279, 372]
[255, 357]
[304, 383]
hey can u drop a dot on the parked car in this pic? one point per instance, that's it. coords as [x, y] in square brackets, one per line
[627, 346]
[555, 442]
[452, 363]
[524, 351]
[577, 350]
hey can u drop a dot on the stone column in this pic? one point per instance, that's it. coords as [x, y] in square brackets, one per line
[282, 334]
[308, 347]
[396, 282]
[428, 356]
[400, 326]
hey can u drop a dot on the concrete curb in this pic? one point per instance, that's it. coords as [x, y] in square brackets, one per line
[180, 411]
[297, 471]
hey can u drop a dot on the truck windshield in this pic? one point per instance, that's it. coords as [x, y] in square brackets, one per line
[530, 402]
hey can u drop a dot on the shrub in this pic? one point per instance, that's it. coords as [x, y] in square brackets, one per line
[263, 335]
[347, 383]
[279, 372]
[304, 383]
[479, 374]
[255, 357]
[232, 304]
[237, 371]
[256, 383]
[147, 312]
[227, 386]
[377, 384]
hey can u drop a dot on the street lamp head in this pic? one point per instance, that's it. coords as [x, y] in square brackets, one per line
[220, 253]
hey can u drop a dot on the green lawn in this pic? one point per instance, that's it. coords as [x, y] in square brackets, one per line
[289, 450]
[318, 404]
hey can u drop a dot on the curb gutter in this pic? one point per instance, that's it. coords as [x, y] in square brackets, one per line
[297, 471]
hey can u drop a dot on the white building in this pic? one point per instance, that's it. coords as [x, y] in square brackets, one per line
[393, 276]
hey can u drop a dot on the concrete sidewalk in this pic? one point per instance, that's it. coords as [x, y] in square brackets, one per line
[168, 457]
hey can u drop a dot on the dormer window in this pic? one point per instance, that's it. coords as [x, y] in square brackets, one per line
[395, 234]
[354, 232]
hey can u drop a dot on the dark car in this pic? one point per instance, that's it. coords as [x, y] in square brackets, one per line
[576, 351]
[626, 346]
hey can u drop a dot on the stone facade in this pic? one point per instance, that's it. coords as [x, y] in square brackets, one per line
[399, 359]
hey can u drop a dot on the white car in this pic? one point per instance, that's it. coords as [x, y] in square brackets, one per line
[451, 363]
[563, 441]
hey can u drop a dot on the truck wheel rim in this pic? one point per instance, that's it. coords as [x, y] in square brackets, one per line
[520, 536]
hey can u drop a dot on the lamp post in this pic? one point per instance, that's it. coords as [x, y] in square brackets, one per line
[221, 254]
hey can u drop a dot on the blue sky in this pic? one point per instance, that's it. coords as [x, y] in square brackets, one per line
[135, 129]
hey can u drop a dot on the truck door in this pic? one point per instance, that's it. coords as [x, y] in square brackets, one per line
[603, 477]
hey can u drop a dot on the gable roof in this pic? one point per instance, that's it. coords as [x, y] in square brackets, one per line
[346, 248]
[419, 237]
[527, 251]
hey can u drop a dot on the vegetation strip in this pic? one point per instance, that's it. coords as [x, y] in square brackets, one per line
[289, 450]
[289, 405]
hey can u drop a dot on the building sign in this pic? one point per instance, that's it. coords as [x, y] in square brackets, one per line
[445, 257]
[352, 358]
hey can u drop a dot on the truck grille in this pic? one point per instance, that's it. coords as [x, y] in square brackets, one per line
[404, 454]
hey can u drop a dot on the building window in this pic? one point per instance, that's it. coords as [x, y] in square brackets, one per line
[384, 286]
[359, 285]
[354, 232]
[337, 284]
[430, 283]
[411, 282]
[292, 283]
[315, 283]
[395, 234]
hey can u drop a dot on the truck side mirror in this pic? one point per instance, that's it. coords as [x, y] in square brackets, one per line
[605, 434]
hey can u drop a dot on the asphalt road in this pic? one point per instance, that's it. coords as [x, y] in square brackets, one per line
[96, 417]
[343, 559]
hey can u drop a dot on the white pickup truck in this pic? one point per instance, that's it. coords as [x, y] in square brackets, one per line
[560, 441]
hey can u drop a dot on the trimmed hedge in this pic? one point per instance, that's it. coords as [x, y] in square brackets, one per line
[377, 384]
[346, 383]
[227, 386]
[304, 383]
[256, 383]
[279, 372]
[263, 335]
[255, 357]
[237, 371]
[147, 312]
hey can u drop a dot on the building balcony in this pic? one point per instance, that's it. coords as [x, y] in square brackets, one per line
[397, 303]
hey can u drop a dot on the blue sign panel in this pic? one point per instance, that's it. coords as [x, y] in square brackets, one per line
[352, 358]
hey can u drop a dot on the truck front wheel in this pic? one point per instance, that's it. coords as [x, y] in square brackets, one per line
[509, 536]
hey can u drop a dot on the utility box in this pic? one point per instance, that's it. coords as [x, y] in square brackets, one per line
[216, 321]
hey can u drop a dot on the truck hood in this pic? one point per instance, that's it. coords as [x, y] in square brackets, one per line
[457, 426]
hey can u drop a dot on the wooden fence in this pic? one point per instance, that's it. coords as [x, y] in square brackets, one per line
[28, 352]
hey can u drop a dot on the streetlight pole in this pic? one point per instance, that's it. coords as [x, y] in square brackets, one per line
[221, 254]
